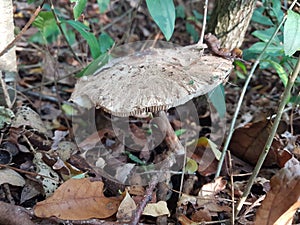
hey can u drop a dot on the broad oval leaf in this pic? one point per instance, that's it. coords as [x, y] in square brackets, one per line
[78, 199]
[265, 35]
[291, 33]
[163, 13]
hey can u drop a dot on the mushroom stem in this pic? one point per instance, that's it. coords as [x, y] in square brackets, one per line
[174, 148]
[171, 139]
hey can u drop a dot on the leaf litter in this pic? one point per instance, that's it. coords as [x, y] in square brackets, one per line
[205, 199]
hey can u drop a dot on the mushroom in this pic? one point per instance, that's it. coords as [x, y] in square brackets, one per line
[153, 80]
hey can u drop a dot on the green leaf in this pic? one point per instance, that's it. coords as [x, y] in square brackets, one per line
[217, 98]
[280, 70]
[258, 17]
[95, 65]
[198, 15]
[192, 31]
[265, 35]
[179, 132]
[276, 9]
[180, 11]
[215, 149]
[103, 5]
[241, 65]
[191, 166]
[163, 13]
[78, 8]
[272, 50]
[46, 24]
[69, 110]
[89, 37]
[105, 42]
[291, 33]
[134, 158]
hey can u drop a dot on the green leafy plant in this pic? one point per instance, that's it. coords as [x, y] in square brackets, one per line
[163, 13]
[279, 55]
[49, 29]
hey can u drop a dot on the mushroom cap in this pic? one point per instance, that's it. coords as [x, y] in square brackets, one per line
[152, 80]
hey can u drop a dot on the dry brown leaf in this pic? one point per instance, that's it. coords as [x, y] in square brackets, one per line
[201, 215]
[287, 217]
[248, 142]
[156, 209]
[78, 199]
[186, 221]
[208, 191]
[11, 177]
[206, 197]
[126, 208]
[283, 196]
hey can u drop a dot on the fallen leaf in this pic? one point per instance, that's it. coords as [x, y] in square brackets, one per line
[186, 221]
[185, 199]
[78, 199]
[50, 178]
[25, 116]
[136, 190]
[156, 209]
[248, 142]
[287, 217]
[201, 215]
[126, 208]
[283, 196]
[11, 177]
[206, 195]
[30, 190]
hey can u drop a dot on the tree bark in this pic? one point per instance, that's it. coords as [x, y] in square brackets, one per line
[8, 62]
[229, 21]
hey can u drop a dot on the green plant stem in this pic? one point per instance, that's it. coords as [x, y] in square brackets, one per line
[232, 125]
[268, 144]
[63, 34]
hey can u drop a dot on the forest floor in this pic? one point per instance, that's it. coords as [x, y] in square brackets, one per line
[42, 146]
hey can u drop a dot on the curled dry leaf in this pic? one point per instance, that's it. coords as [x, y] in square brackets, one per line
[283, 199]
[126, 208]
[78, 199]
[156, 209]
[207, 196]
[248, 142]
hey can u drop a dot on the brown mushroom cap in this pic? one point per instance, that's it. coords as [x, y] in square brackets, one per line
[152, 80]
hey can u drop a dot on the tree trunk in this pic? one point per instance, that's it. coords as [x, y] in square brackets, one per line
[230, 20]
[8, 63]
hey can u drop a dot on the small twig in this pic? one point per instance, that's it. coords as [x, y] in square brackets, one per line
[5, 91]
[147, 198]
[182, 175]
[200, 42]
[263, 155]
[25, 28]
[232, 187]
[239, 104]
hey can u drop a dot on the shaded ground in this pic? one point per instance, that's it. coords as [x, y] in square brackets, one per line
[40, 146]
